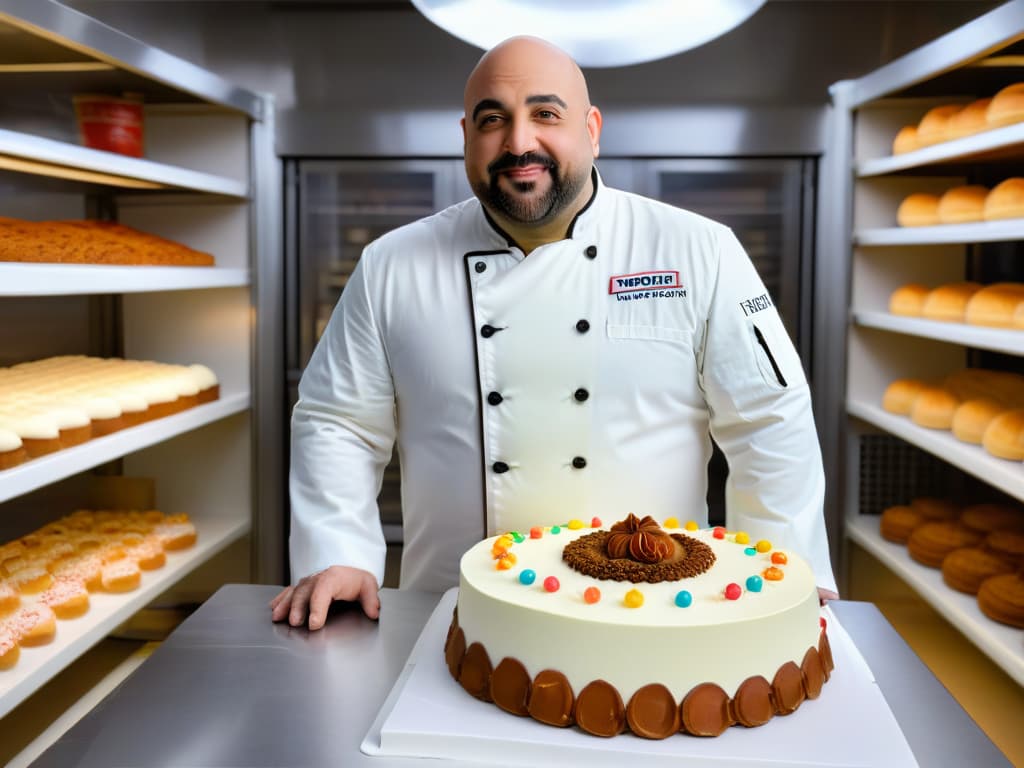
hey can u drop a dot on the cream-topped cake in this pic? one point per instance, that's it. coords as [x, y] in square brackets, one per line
[638, 627]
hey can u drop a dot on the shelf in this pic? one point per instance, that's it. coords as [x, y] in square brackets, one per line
[1003, 644]
[37, 473]
[996, 339]
[976, 232]
[19, 279]
[37, 665]
[1007, 476]
[996, 144]
[46, 157]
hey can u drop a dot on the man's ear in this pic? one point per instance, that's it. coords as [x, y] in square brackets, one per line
[462, 122]
[593, 129]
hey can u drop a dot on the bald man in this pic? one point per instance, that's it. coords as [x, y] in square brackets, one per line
[549, 349]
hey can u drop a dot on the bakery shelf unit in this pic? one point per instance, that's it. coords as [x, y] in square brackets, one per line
[867, 256]
[209, 180]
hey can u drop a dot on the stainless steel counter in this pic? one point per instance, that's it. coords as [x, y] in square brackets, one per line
[228, 688]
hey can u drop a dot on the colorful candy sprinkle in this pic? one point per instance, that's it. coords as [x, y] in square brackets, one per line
[527, 576]
[691, 525]
[575, 525]
[505, 562]
[634, 598]
[595, 522]
[754, 583]
[671, 522]
[750, 551]
[821, 620]
[518, 537]
[591, 595]
[718, 532]
[551, 584]
[684, 599]
[499, 548]
[742, 537]
[774, 574]
[779, 558]
[764, 545]
[556, 529]
[536, 532]
[733, 592]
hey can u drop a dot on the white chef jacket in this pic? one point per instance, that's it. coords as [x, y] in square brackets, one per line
[579, 382]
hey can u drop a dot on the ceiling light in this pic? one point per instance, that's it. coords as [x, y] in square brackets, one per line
[596, 33]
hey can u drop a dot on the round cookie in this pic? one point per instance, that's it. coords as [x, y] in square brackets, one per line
[1001, 598]
[986, 518]
[931, 542]
[935, 509]
[965, 569]
[899, 522]
[1008, 544]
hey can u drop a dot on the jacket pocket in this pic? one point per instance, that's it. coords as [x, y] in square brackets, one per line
[766, 352]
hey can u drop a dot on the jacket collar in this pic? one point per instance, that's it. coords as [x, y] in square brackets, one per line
[580, 224]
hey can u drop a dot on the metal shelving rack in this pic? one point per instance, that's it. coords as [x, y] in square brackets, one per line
[865, 256]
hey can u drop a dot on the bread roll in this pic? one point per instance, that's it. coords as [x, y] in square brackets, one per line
[919, 209]
[1006, 200]
[934, 126]
[906, 140]
[971, 119]
[900, 395]
[971, 419]
[1004, 436]
[949, 302]
[934, 408]
[908, 300]
[1006, 107]
[963, 204]
[1001, 386]
[995, 305]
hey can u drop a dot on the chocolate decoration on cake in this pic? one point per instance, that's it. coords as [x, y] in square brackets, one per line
[788, 688]
[753, 702]
[813, 673]
[475, 675]
[825, 651]
[652, 712]
[510, 687]
[455, 649]
[590, 556]
[639, 540]
[551, 699]
[705, 710]
[599, 709]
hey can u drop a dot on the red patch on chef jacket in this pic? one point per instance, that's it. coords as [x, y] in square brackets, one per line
[644, 281]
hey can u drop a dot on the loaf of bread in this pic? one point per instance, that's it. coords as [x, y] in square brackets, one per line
[920, 209]
[91, 242]
[934, 408]
[1006, 200]
[1006, 107]
[1004, 436]
[971, 119]
[934, 126]
[963, 204]
[906, 140]
[908, 300]
[972, 417]
[995, 305]
[949, 302]
[900, 395]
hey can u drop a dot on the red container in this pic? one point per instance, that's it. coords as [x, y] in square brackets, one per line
[110, 123]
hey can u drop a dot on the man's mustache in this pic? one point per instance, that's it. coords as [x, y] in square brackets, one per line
[508, 160]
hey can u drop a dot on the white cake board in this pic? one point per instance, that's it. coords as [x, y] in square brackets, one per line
[427, 714]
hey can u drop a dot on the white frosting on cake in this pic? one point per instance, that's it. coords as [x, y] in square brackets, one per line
[715, 639]
[9, 441]
[203, 376]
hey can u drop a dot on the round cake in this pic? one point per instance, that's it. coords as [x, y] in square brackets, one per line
[638, 627]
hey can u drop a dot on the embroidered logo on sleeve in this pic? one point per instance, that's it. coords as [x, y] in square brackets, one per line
[756, 304]
[663, 284]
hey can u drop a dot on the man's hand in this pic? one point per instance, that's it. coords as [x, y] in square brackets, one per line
[824, 595]
[313, 595]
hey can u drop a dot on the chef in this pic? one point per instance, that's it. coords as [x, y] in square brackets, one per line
[550, 349]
